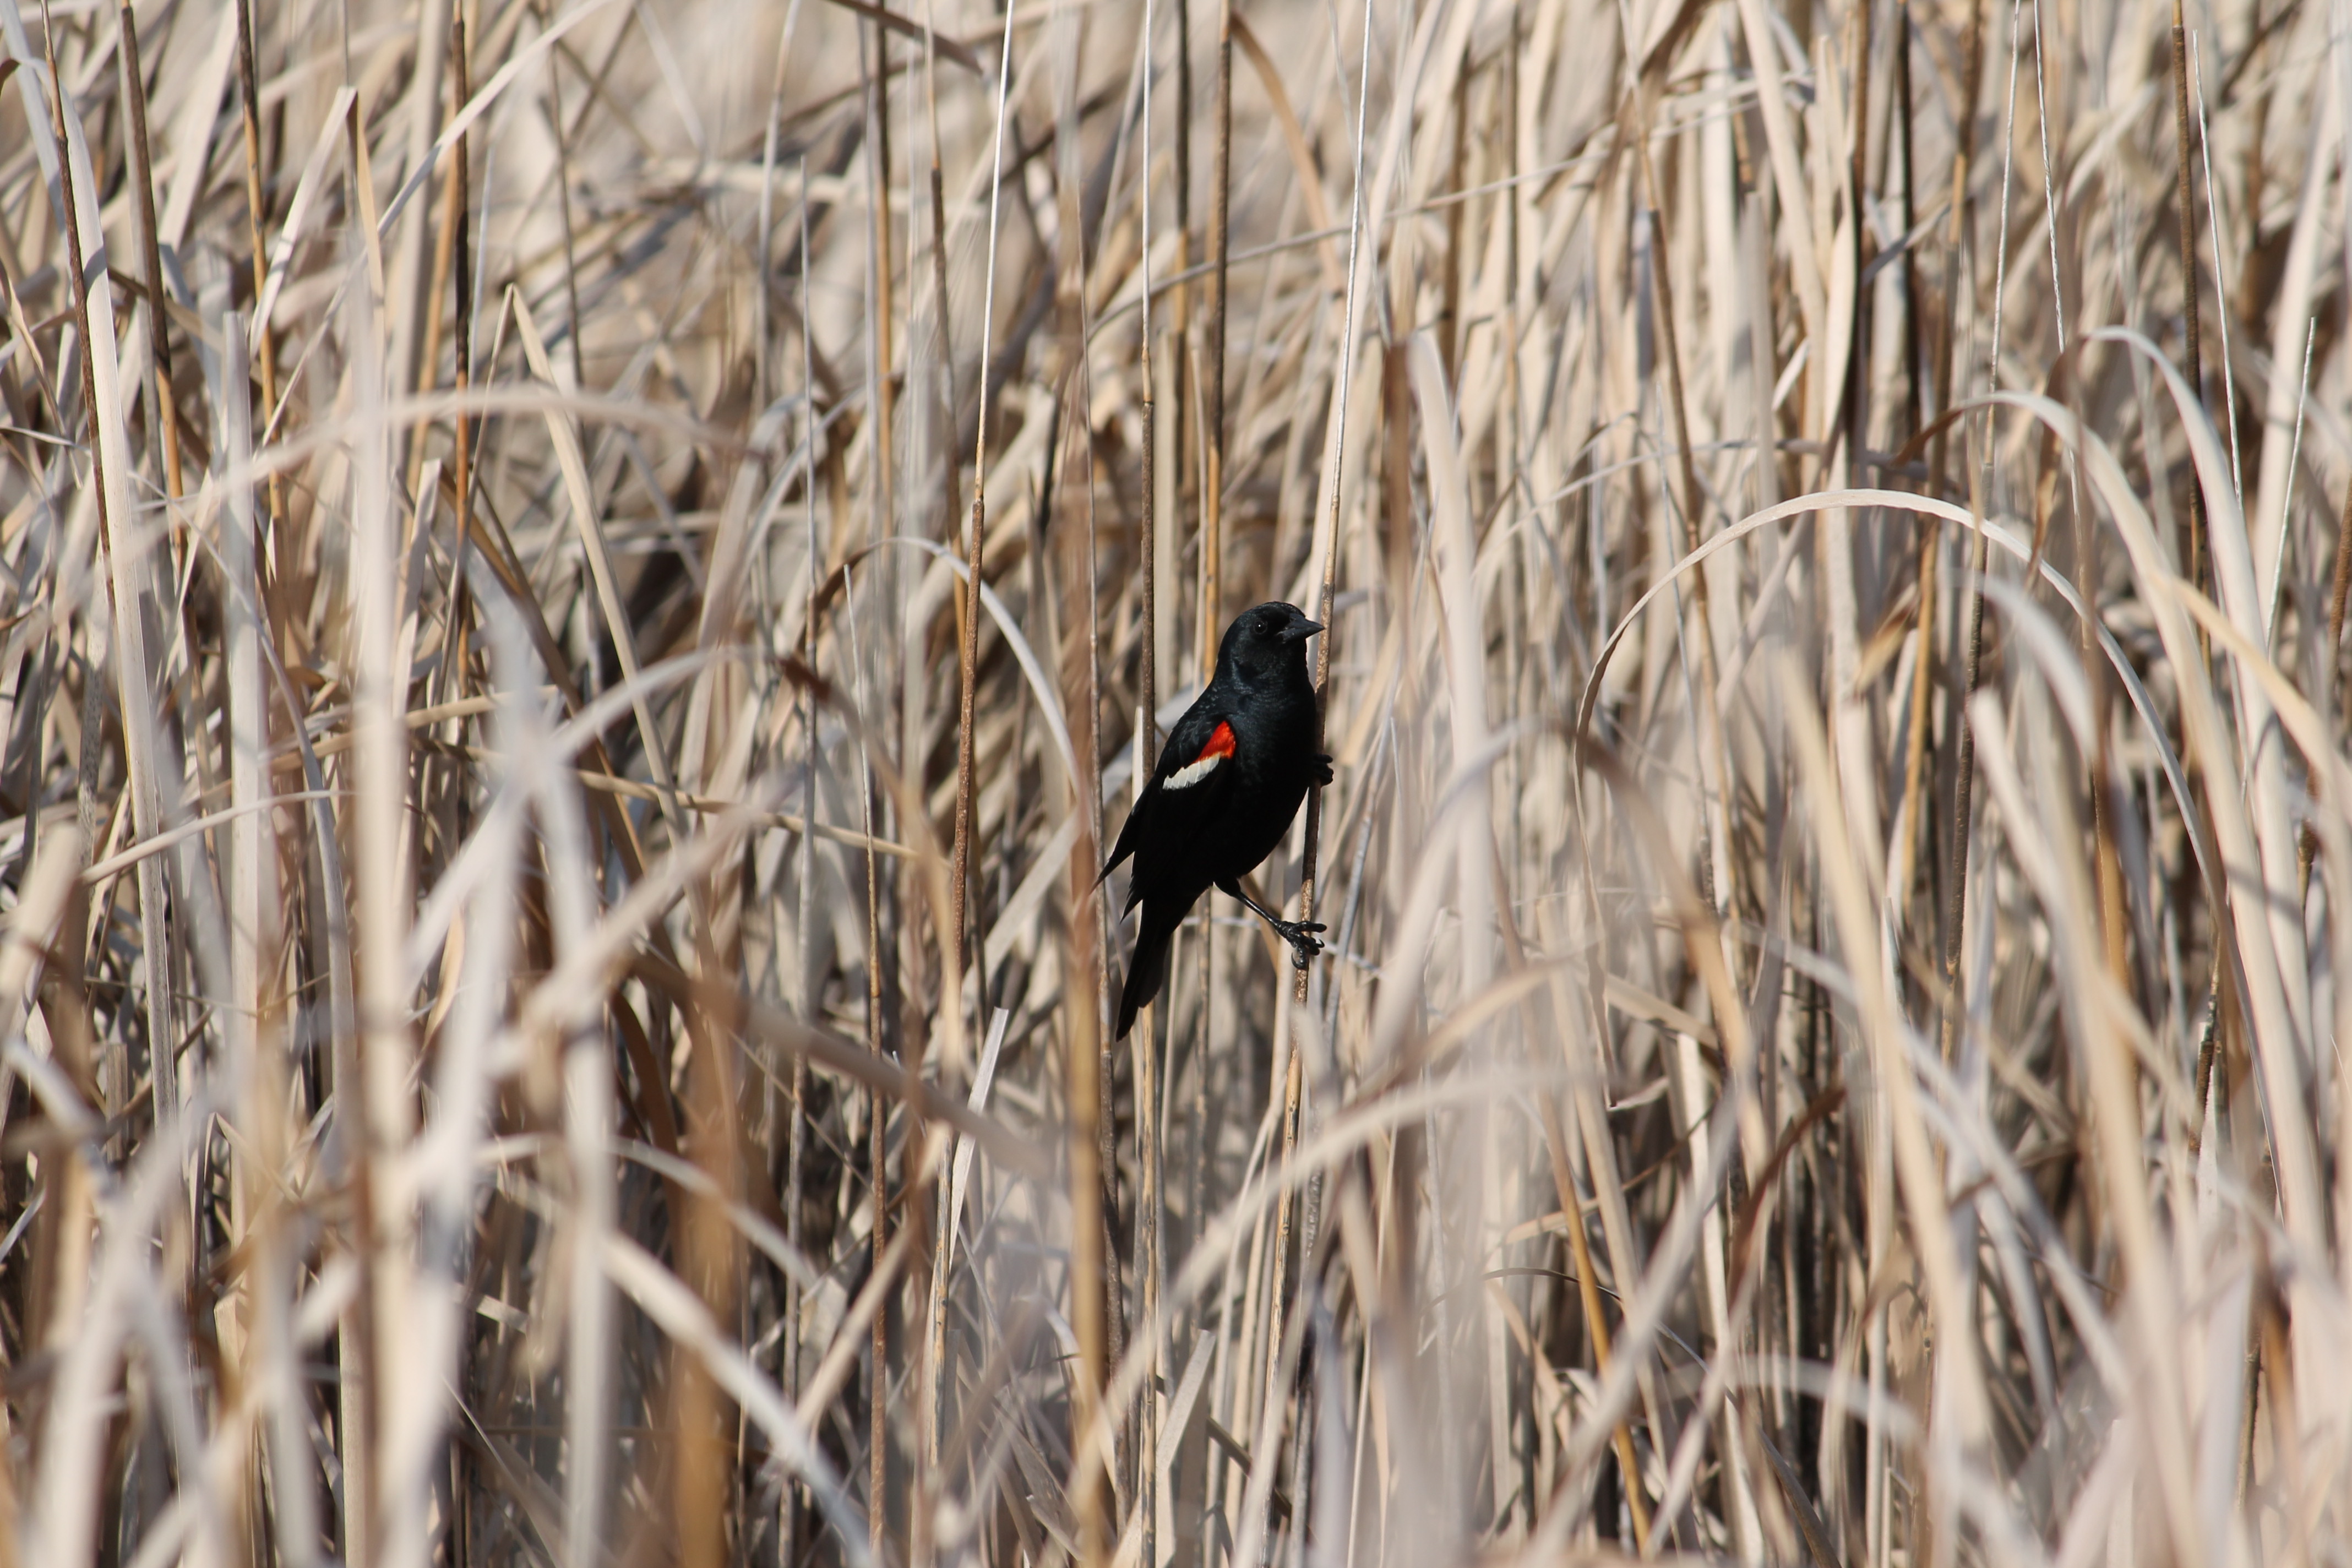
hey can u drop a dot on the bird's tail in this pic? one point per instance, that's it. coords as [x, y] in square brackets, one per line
[1148, 966]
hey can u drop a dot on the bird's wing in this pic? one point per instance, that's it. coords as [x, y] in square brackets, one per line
[1200, 744]
[1189, 788]
[1193, 776]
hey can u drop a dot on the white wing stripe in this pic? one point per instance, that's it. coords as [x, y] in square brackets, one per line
[1192, 774]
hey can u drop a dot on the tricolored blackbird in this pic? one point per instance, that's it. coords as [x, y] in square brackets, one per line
[1229, 780]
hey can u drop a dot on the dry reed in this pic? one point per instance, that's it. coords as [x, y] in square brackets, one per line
[556, 997]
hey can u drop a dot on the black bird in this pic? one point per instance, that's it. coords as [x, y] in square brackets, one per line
[1229, 780]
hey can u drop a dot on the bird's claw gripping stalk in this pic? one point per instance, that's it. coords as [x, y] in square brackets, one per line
[1299, 935]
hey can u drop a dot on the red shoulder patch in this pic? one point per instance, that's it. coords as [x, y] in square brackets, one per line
[1220, 747]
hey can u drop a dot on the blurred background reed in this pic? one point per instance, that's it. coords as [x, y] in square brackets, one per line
[556, 1004]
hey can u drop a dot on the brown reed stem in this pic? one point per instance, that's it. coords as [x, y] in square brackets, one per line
[1213, 378]
[1293, 1077]
[564, 210]
[2342, 587]
[142, 183]
[878, 1452]
[1918, 833]
[1963, 778]
[1913, 344]
[462, 268]
[1856, 425]
[130, 679]
[968, 606]
[1971, 630]
[810, 997]
[1150, 1203]
[1596, 1320]
[2192, 543]
[1449, 286]
[1709, 720]
[878, 1109]
[1955, 237]
[1179, 296]
[1083, 1081]
[445, 251]
[1279, 1259]
[264, 350]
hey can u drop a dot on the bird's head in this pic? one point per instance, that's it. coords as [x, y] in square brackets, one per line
[1267, 639]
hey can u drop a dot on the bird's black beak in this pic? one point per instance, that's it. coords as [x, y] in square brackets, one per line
[1301, 629]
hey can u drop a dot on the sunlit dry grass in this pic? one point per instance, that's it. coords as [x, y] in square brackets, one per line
[556, 1002]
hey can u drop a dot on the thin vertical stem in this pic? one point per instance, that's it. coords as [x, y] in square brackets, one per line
[2341, 589]
[2192, 543]
[1956, 238]
[1449, 288]
[1292, 1076]
[1918, 832]
[765, 241]
[143, 180]
[1330, 544]
[967, 599]
[1179, 298]
[1912, 345]
[941, 1375]
[788, 1530]
[877, 1104]
[1213, 378]
[1580, 1251]
[2221, 284]
[1980, 497]
[444, 243]
[975, 544]
[1716, 760]
[564, 210]
[127, 593]
[1082, 1090]
[1151, 1220]
[879, 172]
[265, 355]
[1092, 1275]
[462, 268]
[1964, 770]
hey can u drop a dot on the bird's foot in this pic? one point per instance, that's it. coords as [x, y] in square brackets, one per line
[1299, 934]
